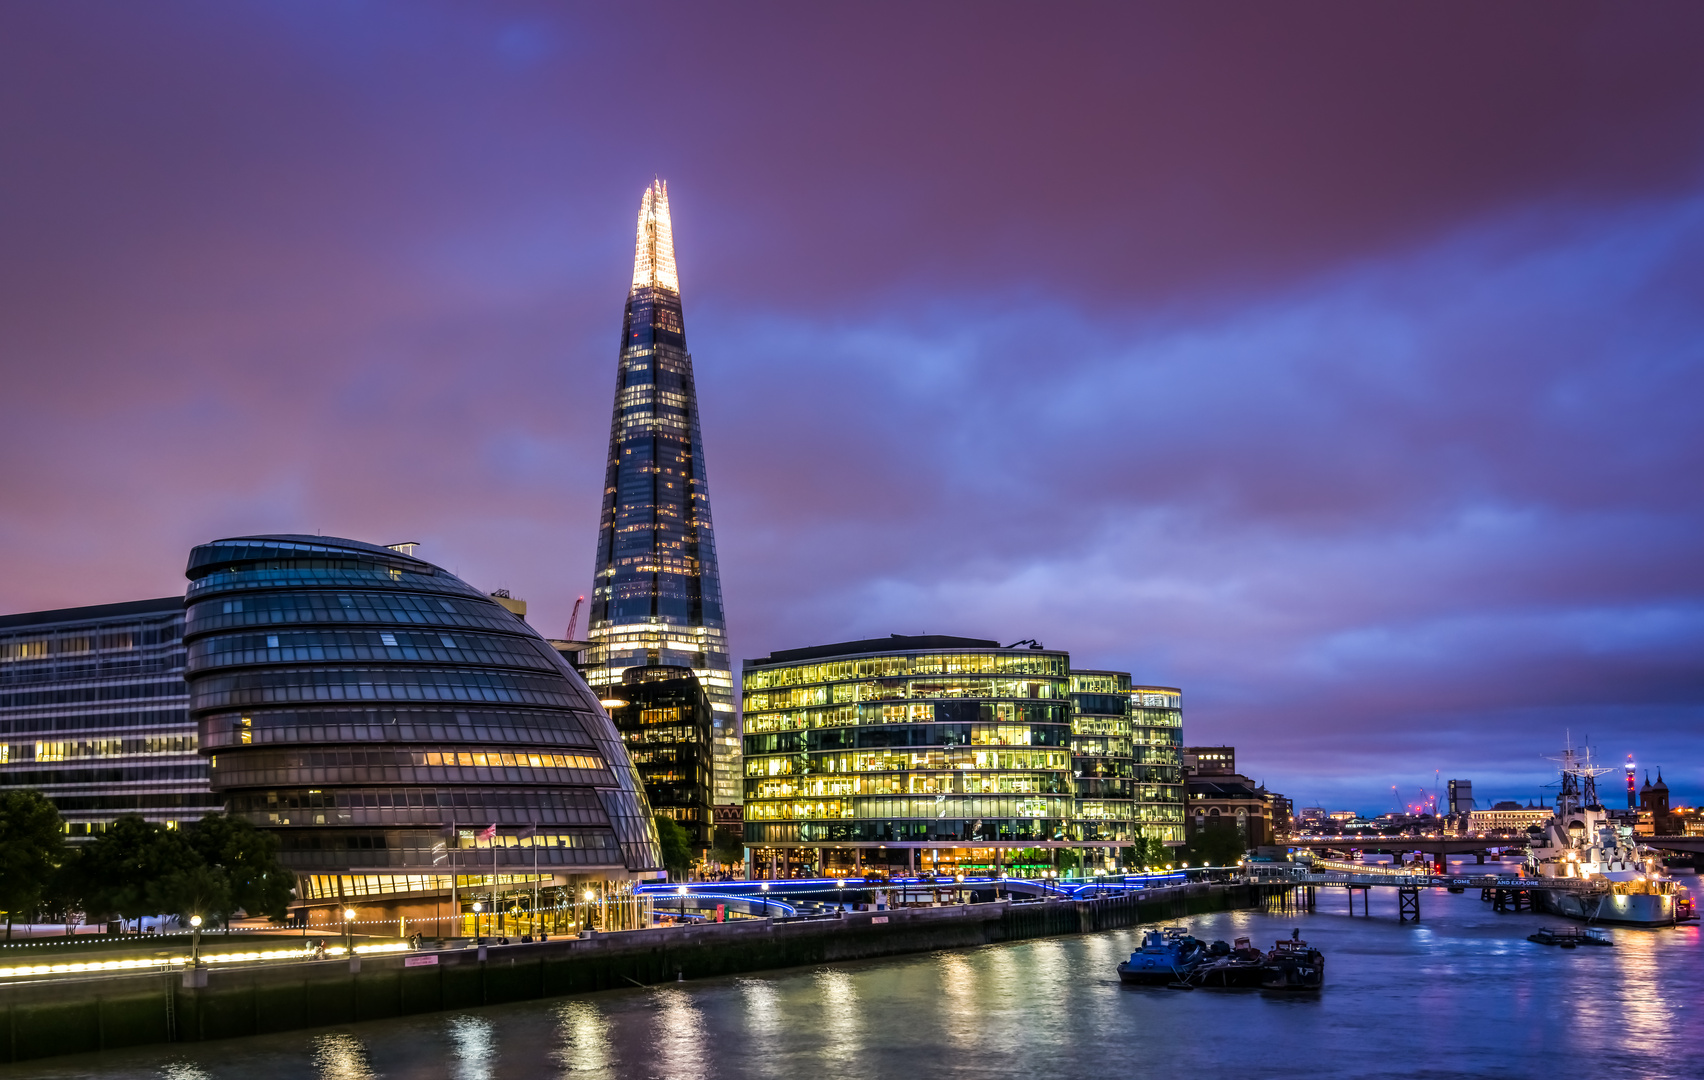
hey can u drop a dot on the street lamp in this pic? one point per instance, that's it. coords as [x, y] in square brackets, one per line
[765, 888]
[590, 895]
[477, 908]
[195, 941]
[348, 931]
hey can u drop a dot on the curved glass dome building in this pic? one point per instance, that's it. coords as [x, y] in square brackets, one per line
[380, 716]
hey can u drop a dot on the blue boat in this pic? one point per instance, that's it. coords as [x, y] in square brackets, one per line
[1166, 957]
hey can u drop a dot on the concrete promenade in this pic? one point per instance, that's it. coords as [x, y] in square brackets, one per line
[65, 1015]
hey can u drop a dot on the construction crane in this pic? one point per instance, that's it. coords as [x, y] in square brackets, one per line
[574, 619]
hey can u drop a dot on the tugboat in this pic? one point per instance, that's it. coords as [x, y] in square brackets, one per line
[1292, 965]
[1582, 842]
[1165, 958]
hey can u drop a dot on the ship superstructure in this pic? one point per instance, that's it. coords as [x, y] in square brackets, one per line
[1583, 841]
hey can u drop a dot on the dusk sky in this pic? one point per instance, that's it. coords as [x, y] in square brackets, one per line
[1340, 364]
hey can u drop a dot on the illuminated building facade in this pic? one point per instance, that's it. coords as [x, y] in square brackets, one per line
[94, 714]
[664, 718]
[397, 728]
[657, 597]
[907, 753]
[1103, 760]
[1156, 730]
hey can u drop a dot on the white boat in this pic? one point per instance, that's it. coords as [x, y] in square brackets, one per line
[1621, 880]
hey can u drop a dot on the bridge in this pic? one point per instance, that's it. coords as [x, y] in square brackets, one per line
[1481, 845]
[1507, 891]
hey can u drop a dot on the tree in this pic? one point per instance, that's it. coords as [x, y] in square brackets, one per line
[258, 883]
[677, 846]
[728, 847]
[32, 845]
[1149, 852]
[118, 869]
[194, 890]
[1217, 843]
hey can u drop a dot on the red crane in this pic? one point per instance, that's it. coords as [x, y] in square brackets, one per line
[574, 619]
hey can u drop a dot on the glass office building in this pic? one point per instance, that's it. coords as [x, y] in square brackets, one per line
[657, 596]
[1103, 760]
[664, 718]
[908, 753]
[397, 729]
[94, 713]
[1156, 732]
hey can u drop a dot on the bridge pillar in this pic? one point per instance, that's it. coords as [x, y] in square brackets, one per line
[1408, 903]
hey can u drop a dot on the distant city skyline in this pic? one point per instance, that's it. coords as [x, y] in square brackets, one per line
[1339, 368]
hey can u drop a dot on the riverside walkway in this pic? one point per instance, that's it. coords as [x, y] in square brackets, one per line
[63, 1012]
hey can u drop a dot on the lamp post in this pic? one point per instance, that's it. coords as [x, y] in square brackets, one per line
[195, 941]
[591, 894]
[765, 888]
[477, 908]
[349, 932]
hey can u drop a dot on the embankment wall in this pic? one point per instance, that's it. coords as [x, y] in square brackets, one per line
[51, 1016]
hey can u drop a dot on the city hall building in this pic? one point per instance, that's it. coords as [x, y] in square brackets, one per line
[414, 744]
[936, 753]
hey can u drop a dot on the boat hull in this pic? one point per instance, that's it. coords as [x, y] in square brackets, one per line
[1147, 976]
[1637, 909]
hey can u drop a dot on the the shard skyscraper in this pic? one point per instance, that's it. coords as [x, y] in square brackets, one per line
[657, 597]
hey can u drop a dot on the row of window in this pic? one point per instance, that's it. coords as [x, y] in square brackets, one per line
[1036, 731]
[941, 830]
[189, 774]
[117, 746]
[320, 759]
[468, 804]
[381, 684]
[903, 689]
[351, 607]
[947, 759]
[315, 574]
[1027, 662]
[82, 721]
[909, 784]
[88, 695]
[239, 772]
[381, 645]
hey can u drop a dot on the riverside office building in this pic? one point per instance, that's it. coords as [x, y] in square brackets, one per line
[944, 754]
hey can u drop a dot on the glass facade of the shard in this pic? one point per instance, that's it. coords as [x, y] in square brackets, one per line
[657, 597]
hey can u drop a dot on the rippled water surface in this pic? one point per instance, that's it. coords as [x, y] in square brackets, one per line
[1462, 993]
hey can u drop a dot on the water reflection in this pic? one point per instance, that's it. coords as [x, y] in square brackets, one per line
[341, 1056]
[184, 1070]
[584, 1040]
[842, 1020]
[475, 1047]
[677, 1037]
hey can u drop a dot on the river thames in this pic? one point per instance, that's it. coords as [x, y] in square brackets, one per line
[1462, 993]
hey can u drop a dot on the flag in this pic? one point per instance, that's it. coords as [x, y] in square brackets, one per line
[488, 832]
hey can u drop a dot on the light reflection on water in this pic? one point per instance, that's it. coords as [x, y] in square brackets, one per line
[1463, 993]
[341, 1056]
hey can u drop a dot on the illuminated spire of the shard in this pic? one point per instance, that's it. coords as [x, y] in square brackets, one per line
[657, 597]
[653, 249]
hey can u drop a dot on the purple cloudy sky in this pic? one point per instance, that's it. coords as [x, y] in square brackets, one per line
[1342, 365]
